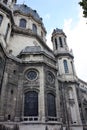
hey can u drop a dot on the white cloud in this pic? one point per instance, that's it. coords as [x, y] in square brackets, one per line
[49, 43]
[47, 16]
[77, 40]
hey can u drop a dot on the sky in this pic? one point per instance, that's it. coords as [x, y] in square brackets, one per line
[66, 15]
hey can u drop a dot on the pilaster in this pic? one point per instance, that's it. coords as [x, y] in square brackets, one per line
[42, 96]
[3, 98]
[18, 109]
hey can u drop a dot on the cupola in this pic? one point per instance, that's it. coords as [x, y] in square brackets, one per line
[59, 40]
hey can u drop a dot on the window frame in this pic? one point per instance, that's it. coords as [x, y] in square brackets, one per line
[66, 66]
[51, 105]
[23, 23]
[31, 104]
[61, 42]
[56, 45]
[34, 28]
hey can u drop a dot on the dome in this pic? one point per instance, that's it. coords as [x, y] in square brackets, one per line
[24, 9]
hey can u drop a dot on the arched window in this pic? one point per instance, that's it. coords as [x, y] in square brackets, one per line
[1, 18]
[22, 23]
[31, 104]
[51, 105]
[56, 43]
[60, 41]
[66, 66]
[34, 28]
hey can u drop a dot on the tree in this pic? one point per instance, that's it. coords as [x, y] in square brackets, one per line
[83, 4]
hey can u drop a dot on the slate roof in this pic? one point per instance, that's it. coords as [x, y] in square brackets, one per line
[59, 31]
[27, 10]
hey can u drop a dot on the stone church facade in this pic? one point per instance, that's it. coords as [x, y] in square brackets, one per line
[39, 88]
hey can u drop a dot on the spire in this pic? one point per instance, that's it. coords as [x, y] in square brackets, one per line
[59, 41]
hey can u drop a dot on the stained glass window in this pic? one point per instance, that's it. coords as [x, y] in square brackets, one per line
[51, 105]
[31, 104]
[32, 74]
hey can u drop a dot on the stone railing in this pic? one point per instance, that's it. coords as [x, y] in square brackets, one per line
[30, 118]
[49, 118]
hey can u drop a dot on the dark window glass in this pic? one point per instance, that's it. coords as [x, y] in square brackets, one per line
[56, 43]
[60, 40]
[7, 30]
[22, 23]
[51, 105]
[11, 92]
[32, 75]
[65, 66]
[41, 34]
[1, 18]
[86, 113]
[5, 1]
[34, 28]
[9, 117]
[31, 104]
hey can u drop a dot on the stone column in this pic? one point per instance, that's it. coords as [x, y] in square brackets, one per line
[3, 96]
[57, 100]
[42, 96]
[18, 111]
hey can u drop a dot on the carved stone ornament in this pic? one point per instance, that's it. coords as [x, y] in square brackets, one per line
[50, 77]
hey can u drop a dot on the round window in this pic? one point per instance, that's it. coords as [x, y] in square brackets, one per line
[32, 74]
[50, 77]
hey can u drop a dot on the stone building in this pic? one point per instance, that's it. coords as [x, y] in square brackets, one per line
[39, 88]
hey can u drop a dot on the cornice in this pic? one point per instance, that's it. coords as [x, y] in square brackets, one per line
[29, 32]
[19, 61]
[39, 53]
[68, 81]
[64, 54]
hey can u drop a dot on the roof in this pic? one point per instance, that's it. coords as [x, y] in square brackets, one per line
[24, 9]
[36, 49]
[27, 10]
[58, 31]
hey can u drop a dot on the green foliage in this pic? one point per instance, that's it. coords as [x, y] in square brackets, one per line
[83, 4]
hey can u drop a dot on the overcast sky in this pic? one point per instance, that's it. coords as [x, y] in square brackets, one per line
[66, 15]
